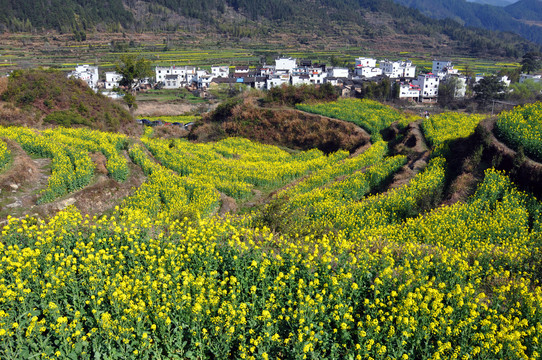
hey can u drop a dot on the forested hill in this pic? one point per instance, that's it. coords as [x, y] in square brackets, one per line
[520, 18]
[352, 21]
[62, 15]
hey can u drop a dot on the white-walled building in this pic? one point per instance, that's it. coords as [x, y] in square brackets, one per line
[368, 72]
[185, 75]
[440, 65]
[398, 69]
[428, 84]
[285, 65]
[112, 80]
[88, 74]
[409, 91]
[339, 72]
[277, 80]
[172, 81]
[300, 79]
[220, 71]
[267, 70]
[365, 62]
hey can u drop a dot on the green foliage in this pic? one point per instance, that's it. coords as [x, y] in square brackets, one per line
[132, 69]
[292, 95]
[370, 115]
[526, 91]
[489, 88]
[63, 101]
[522, 127]
[531, 61]
[66, 118]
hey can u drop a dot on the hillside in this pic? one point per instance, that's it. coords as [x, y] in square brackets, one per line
[43, 98]
[352, 21]
[526, 10]
[513, 18]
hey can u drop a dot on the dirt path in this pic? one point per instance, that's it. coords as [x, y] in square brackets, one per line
[414, 146]
[21, 184]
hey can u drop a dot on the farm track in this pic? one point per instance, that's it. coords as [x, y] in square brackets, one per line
[21, 184]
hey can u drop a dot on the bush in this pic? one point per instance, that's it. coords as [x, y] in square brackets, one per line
[66, 118]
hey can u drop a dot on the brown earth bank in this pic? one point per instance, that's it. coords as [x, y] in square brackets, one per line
[288, 128]
[21, 183]
[525, 172]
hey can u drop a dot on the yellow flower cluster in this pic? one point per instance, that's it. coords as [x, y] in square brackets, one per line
[109, 144]
[442, 128]
[71, 166]
[340, 274]
[522, 127]
[370, 115]
[235, 166]
[4, 155]
[166, 194]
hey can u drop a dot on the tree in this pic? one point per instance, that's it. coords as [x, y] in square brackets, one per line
[448, 90]
[529, 90]
[532, 61]
[132, 70]
[488, 89]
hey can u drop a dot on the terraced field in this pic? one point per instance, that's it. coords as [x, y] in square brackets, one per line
[328, 260]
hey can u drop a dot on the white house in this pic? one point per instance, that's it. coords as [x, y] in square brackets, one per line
[300, 79]
[461, 85]
[365, 62]
[332, 80]
[368, 72]
[204, 81]
[398, 69]
[277, 80]
[339, 72]
[285, 65]
[172, 81]
[316, 75]
[260, 82]
[185, 75]
[220, 71]
[409, 91]
[88, 74]
[267, 70]
[440, 65]
[428, 84]
[241, 70]
[112, 79]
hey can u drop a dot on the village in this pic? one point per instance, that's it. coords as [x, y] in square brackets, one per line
[410, 85]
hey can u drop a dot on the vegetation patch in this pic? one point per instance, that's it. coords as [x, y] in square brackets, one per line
[63, 101]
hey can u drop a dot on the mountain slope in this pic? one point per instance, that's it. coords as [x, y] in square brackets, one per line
[351, 22]
[512, 18]
[526, 10]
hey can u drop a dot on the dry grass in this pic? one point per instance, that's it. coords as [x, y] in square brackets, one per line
[3, 85]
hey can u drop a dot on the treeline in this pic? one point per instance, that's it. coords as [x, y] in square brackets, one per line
[257, 18]
[485, 16]
[61, 15]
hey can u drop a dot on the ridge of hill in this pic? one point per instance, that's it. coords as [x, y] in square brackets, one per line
[517, 18]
